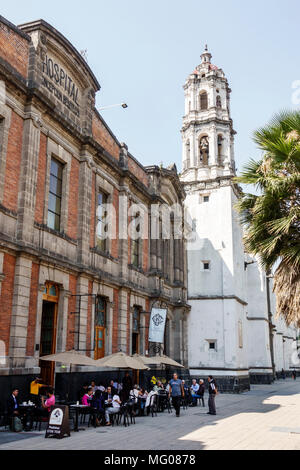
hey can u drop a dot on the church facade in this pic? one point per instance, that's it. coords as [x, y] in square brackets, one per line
[232, 332]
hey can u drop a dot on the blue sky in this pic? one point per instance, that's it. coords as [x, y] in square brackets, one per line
[142, 51]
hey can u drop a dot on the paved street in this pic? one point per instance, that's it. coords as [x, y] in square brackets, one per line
[268, 417]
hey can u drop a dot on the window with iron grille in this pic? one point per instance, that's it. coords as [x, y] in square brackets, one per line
[101, 223]
[55, 195]
[136, 244]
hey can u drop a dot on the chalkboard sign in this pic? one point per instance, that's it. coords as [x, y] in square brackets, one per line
[58, 425]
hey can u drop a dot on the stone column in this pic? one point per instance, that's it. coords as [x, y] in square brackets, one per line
[62, 326]
[122, 320]
[82, 317]
[28, 179]
[20, 308]
[84, 208]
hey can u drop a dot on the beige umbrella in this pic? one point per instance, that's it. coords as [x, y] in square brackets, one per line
[70, 357]
[120, 360]
[166, 361]
[145, 359]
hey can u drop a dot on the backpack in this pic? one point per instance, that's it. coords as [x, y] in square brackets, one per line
[16, 424]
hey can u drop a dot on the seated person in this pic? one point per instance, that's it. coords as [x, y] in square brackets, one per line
[87, 397]
[114, 409]
[142, 400]
[134, 394]
[195, 392]
[50, 401]
[12, 405]
[83, 391]
[113, 385]
[108, 395]
[98, 407]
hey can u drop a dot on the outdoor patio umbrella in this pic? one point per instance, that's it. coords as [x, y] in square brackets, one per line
[168, 361]
[121, 360]
[71, 358]
[145, 359]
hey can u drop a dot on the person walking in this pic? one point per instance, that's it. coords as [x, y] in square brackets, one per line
[212, 390]
[294, 374]
[201, 391]
[176, 392]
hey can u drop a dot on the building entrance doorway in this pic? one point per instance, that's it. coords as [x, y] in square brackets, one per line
[48, 332]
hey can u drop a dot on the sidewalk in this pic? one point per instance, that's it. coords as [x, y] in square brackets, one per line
[267, 417]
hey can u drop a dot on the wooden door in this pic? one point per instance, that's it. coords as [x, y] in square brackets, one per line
[48, 332]
[99, 342]
[100, 327]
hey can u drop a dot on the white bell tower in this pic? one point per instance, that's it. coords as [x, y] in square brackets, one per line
[207, 133]
[216, 263]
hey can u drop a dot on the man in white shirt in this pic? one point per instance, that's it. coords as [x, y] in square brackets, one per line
[114, 409]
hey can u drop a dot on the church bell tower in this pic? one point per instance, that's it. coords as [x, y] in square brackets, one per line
[216, 275]
[207, 132]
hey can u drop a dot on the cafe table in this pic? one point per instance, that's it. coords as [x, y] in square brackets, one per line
[26, 410]
[78, 408]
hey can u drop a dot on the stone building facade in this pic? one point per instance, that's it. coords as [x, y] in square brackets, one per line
[232, 332]
[63, 284]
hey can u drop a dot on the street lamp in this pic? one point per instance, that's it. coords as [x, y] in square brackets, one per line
[124, 105]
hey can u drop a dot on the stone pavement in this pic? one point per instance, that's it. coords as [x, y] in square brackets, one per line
[267, 417]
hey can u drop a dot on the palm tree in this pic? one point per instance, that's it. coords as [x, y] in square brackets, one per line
[272, 216]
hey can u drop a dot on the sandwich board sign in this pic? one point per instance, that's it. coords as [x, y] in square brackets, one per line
[58, 425]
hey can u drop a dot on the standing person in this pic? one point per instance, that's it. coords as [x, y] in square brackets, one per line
[294, 374]
[212, 390]
[176, 392]
[35, 387]
[201, 391]
[283, 374]
[127, 386]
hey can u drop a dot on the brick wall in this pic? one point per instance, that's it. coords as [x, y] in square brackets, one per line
[32, 309]
[138, 171]
[6, 298]
[104, 138]
[13, 162]
[14, 49]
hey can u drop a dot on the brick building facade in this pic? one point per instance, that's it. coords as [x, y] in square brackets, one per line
[61, 285]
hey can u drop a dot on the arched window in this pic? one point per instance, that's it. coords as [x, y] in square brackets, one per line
[219, 102]
[204, 150]
[203, 101]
